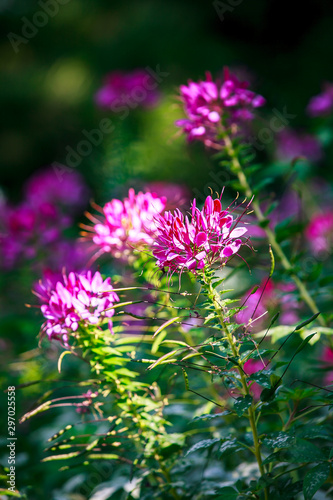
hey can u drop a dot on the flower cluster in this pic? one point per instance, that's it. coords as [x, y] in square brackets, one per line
[127, 89]
[208, 104]
[208, 237]
[36, 224]
[322, 104]
[319, 232]
[77, 300]
[126, 224]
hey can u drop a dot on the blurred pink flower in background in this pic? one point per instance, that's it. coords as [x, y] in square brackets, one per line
[327, 358]
[289, 207]
[209, 104]
[125, 224]
[176, 195]
[208, 237]
[76, 300]
[292, 144]
[322, 104]
[67, 191]
[35, 227]
[132, 89]
[319, 232]
[271, 299]
[253, 366]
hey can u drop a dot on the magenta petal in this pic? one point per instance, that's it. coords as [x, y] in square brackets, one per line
[200, 239]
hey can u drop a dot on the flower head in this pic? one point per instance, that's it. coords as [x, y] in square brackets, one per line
[127, 223]
[209, 104]
[77, 300]
[129, 89]
[209, 236]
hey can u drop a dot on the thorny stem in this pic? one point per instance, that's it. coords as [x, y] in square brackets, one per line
[214, 297]
[237, 168]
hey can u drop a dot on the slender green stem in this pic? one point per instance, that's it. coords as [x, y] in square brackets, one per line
[238, 170]
[168, 478]
[214, 297]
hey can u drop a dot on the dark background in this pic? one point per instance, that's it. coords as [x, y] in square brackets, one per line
[46, 99]
[47, 87]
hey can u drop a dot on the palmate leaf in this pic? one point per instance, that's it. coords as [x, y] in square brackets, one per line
[314, 479]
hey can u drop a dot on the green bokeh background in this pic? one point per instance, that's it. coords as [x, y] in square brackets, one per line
[48, 85]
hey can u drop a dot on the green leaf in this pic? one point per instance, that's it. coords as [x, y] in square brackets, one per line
[302, 452]
[163, 359]
[103, 456]
[10, 493]
[217, 283]
[261, 379]
[228, 447]
[209, 416]
[62, 457]
[314, 479]
[279, 440]
[158, 341]
[175, 342]
[306, 322]
[242, 404]
[205, 443]
[227, 493]
[305, 342]
[165, 325]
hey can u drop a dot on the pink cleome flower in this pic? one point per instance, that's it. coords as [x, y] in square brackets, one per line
[319, 232]
[126, 223]
[208, 104]
[127, 89]
[210, 236]
[76, 300]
